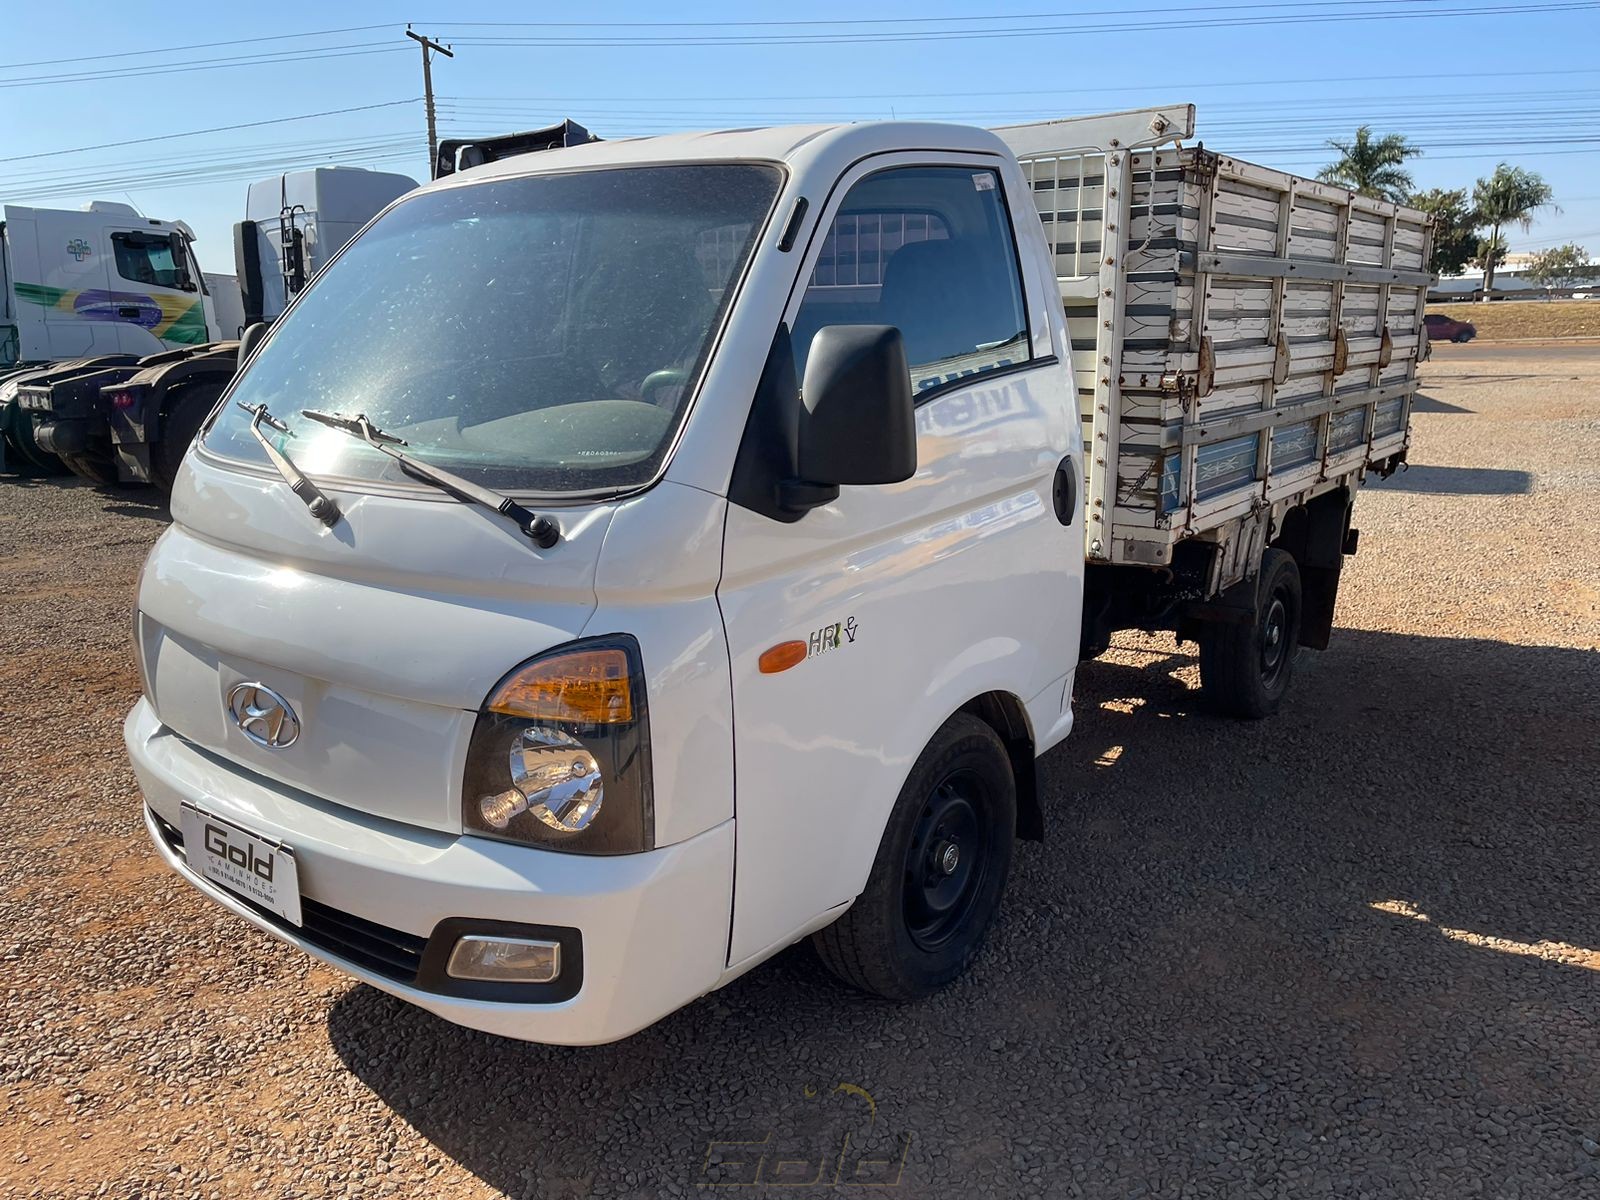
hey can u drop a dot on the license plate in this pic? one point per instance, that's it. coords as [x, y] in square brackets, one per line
[259, 869]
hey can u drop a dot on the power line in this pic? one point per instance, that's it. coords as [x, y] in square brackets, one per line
[1074, 30]
[1143, 87]
[331, 112]
[1033, 16]
[271, 58]
[275, 37]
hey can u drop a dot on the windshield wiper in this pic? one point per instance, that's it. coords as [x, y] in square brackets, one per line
[543, 531]
[322, 507]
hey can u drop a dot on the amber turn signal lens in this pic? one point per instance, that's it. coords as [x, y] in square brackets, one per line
[781, 657]
[589, 687]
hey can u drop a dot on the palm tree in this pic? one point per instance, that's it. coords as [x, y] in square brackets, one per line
[1372, 167]
[1508, 197]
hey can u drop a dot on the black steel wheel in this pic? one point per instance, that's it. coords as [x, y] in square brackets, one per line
[941, 868]
[1245, 670]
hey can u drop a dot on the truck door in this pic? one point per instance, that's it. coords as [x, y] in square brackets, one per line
[912, 599]
[68, 285]
[155, 301]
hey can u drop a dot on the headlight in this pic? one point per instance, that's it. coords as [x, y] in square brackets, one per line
[560, 757]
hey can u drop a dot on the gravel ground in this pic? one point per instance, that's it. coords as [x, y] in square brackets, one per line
[1351, 951]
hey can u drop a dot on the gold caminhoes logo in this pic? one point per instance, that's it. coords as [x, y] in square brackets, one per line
[833, 1144]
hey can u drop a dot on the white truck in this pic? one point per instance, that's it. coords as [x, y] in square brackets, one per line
[627, 560]
[114, 383]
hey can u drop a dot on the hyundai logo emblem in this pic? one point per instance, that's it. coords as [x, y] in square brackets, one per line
[263, 716]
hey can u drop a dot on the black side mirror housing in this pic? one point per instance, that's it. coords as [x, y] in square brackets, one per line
[250, 339]
[858, 421]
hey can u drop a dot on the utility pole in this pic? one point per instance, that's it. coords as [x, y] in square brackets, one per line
[427, 45]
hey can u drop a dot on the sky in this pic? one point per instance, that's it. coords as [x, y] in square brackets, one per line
[100, 101]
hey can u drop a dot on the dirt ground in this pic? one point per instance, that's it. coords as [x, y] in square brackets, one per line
[1516, 320]
[1353, 950]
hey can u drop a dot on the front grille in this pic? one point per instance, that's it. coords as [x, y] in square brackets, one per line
[377, 948]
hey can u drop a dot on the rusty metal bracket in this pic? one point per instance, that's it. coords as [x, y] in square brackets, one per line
[1341, 351]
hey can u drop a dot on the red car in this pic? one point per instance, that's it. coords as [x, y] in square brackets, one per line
[1447, 329]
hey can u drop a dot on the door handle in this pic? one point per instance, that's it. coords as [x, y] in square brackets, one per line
[1064, 492]
[128, 311]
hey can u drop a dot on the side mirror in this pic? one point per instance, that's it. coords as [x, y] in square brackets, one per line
[858, 422]
[250, 339]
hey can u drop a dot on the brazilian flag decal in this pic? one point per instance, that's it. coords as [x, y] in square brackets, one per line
[173, 319]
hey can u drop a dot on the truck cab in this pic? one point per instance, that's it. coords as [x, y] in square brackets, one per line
[102, 281]
[624, 562]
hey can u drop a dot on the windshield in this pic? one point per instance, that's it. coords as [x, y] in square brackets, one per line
[536, 334]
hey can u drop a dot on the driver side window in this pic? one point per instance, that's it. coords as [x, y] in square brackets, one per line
[930, 251]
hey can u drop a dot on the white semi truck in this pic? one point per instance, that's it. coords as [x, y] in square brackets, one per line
[629, 559]
[114, 345]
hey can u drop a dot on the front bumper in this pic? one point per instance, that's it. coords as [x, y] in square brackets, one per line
[654, 927]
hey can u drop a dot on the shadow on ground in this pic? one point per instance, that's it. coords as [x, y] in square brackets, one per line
[1457, 481]
[1310, 949]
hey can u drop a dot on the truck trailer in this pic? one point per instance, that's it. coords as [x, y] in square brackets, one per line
[703, 560]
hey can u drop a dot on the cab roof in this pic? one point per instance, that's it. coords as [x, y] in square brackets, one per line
[796, 145]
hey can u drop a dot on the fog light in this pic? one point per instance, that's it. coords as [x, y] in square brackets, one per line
[505, 960]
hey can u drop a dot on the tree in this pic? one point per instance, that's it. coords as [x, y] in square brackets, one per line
[1561, 267]
[1455, 228]
[1372, 166]
[1488, 255]
[1508, 197]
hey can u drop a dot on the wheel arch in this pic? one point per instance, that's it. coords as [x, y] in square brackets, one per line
[1005, 714]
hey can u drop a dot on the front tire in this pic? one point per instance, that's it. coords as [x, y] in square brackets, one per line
[1462, 338]
[941, 869]
[1245, 670]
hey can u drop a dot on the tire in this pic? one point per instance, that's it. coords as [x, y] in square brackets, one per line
[186, 412]
[99, 471]
[1245, 670]
[1462, 338]
[941, 869]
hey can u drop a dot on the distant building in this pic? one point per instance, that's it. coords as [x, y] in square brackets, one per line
[1509, 280]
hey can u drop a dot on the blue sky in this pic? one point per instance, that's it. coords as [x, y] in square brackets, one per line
[1512, 83]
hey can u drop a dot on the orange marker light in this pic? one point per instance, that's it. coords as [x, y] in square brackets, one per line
[781, 657]
[588, 686]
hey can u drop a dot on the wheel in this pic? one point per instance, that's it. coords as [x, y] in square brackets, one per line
[1245, 670]
[101, 472]
[186, 412]
[941, 868]
[1463, 337]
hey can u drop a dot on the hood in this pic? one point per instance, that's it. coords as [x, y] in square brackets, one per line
[383, 634]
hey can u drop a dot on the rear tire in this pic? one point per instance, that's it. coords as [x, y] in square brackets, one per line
[99, 471]
[185, 414]
[941, 869]
[1245, 670]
